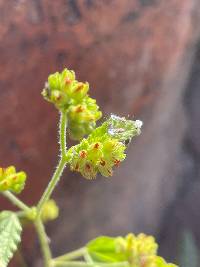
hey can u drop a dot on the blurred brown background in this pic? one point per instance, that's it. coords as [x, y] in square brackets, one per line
[141, 58]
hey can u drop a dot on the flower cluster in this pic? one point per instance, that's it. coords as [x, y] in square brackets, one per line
[82, 118]
[103, 149]
[71, 96]
[137, 247]
[12, 180]
[141, 250]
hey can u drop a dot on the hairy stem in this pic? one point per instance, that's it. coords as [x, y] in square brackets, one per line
[62, 133]
[49, 190]
[16, 201]
[45, 197]
[87, 257]
[43, 238]
[61, 165]
[72, 255]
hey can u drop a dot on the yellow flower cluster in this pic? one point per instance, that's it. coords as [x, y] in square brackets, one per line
[12, 180]
[71, 96]
[141, 251]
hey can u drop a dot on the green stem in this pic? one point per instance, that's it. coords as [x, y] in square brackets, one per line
[21, 214]
[61, 165]
[16, 201]
[43, 242]
[49, 190]
[85, 264]
[71, 264]
[55, 179]
[72, 255]
[62, 130]
[87, 257]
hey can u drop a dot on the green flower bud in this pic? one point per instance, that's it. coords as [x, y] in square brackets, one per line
[63, 90]
[12, 180]
[50, 211]
[102, 150]
[82, 118]
[31, 214]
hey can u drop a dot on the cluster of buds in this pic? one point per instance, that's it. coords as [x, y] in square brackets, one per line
[71, 96]
[140, 250]
[103, 149]
[63, 90]
[12, 180]
[82, 118]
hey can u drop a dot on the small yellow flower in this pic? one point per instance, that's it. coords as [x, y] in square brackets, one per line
[12, 180]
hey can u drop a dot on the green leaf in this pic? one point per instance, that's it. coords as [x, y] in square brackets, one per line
[189, 251]
[103, 249]
[10, 231]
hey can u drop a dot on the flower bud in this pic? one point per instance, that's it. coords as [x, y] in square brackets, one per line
[63, 90]
[12, 180]
[50, 211]
[82, 118]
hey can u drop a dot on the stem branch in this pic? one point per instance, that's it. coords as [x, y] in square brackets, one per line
[72, 255]
[16, 201]
[45, 197]
[61, 165]
[47, 193]
[43, 242]
[85, 264]
[62, 130]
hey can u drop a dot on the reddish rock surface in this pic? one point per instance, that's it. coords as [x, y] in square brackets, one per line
[135, 55]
